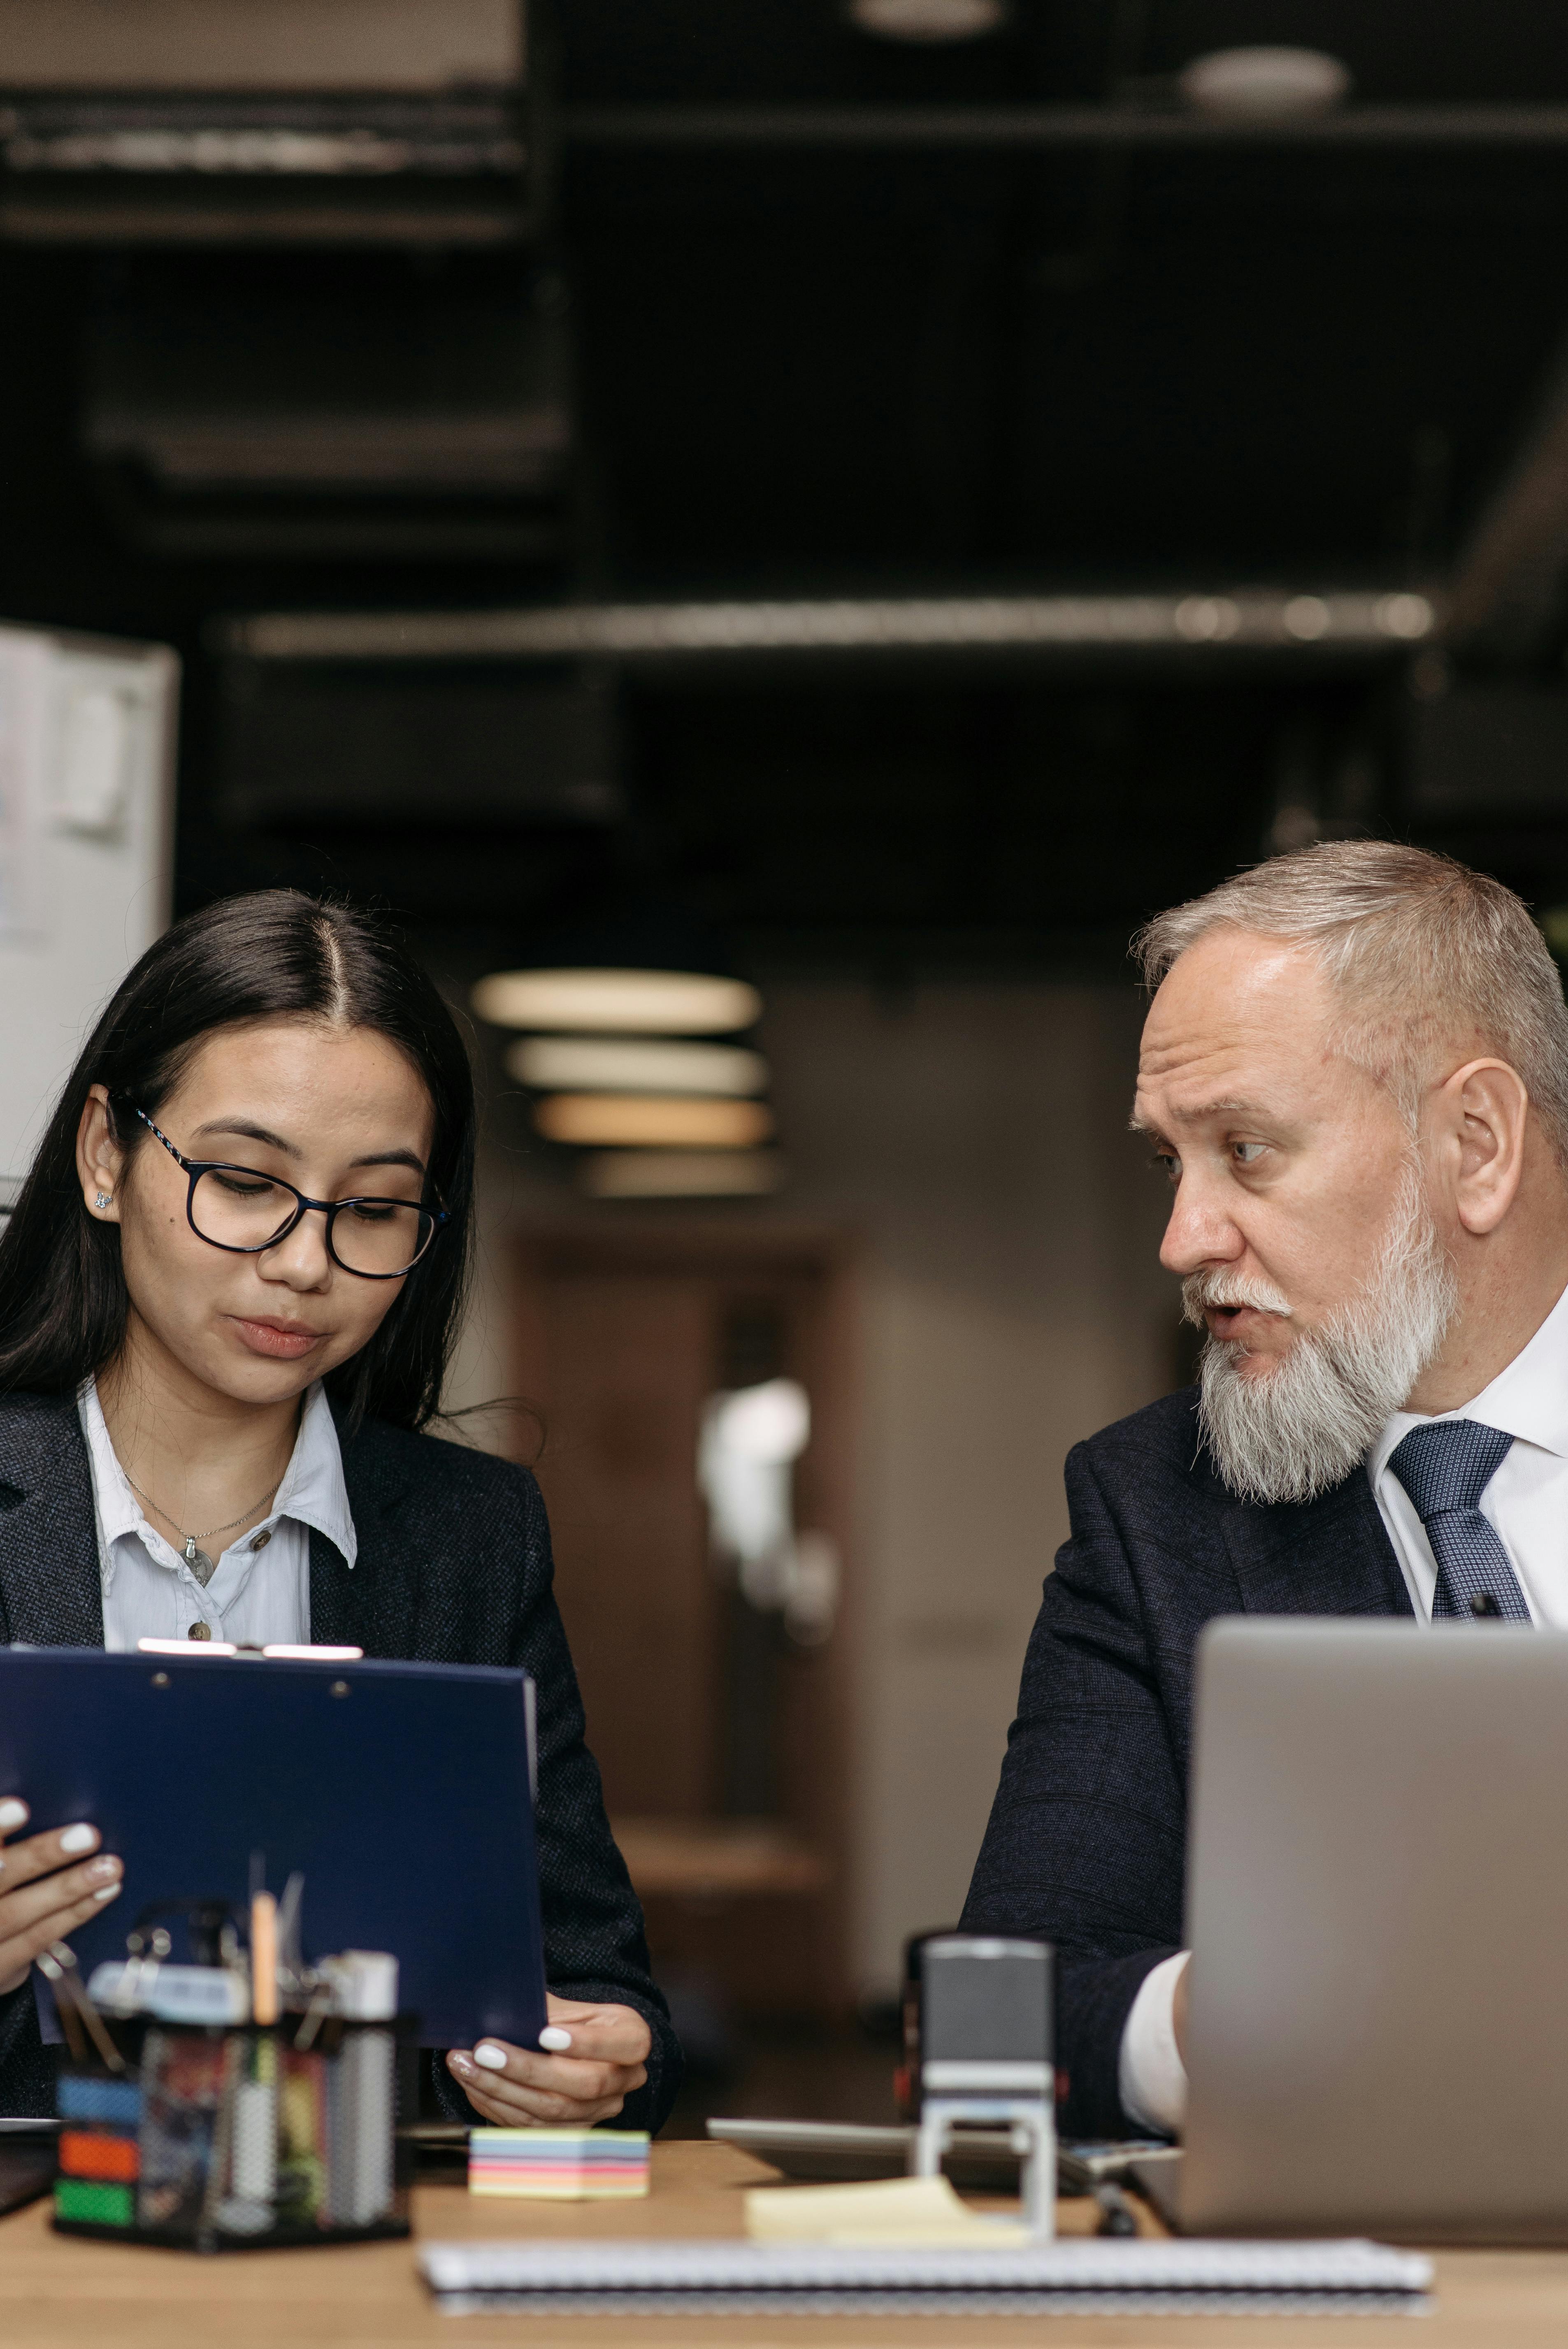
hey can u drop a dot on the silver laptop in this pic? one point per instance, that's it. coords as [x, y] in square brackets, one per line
[1377, 1906]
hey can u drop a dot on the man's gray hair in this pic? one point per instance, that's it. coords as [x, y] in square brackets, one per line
[1419, 948]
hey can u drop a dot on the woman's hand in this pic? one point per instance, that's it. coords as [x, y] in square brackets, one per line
[597, 2056]
[47, 1888]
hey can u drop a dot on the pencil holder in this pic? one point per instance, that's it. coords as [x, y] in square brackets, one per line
[215, 2139]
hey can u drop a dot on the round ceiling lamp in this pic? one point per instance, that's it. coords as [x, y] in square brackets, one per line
[1264, 84]
[681, 1174]
[633, 1065]
[618, 1002]
[930, 22]
[630, 1121]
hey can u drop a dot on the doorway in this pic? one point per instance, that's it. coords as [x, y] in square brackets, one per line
[722, 1727]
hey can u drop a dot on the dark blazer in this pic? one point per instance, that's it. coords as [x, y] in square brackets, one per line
[1087, 1840]
[453, 1567]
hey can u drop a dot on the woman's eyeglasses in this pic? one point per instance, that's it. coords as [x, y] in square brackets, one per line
[237, 1209]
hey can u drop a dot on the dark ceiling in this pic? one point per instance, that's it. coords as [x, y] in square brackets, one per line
[799, 361]
[1200, 362]
[801, 50]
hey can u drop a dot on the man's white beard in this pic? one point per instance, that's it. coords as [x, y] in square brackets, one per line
[1293, 1431]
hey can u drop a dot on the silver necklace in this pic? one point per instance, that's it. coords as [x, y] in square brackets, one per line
[202, 1567]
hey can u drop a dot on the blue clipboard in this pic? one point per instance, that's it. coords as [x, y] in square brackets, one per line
[401, 1791]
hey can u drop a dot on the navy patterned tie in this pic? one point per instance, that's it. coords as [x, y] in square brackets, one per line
[1446, 1468]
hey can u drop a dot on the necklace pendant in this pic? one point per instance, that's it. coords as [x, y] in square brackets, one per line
[202, 1567]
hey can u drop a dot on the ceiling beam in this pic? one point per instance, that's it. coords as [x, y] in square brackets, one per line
[1361, 622]
[1000, 129]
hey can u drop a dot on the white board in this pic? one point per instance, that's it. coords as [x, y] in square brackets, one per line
[88, 731]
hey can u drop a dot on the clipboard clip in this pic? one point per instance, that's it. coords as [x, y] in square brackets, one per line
[278, 1653]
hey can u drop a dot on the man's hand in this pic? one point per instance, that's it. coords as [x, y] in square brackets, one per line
[596, 2056]
[43, 1896]
[1178, 2010]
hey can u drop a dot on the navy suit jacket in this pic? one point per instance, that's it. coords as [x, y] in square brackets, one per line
[1086, 1842]
[453, 1567]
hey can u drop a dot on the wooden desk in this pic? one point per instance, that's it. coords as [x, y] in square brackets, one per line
[54, 2292]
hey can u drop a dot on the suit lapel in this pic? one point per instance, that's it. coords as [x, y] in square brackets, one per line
[49, 1585]
[1330, 1556]
[373, 1605]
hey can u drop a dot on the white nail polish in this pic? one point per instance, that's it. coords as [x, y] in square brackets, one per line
[13, 1813]
[79, 1838]
[107, 1893]
[554, 2040]
[493, 2057]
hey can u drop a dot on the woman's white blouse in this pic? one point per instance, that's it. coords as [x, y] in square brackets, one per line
[261, 1590]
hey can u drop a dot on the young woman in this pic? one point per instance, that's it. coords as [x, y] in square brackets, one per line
[227, 1294]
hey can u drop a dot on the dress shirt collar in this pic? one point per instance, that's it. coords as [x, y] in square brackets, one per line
[1528, 1400]
[312, 1492]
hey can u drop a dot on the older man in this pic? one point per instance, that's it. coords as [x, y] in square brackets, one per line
[1355, 1068]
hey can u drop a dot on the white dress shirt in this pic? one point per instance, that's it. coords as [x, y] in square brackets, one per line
[260, 1591]
[1526, 1504]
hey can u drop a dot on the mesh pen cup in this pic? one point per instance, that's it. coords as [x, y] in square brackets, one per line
[224, 2139]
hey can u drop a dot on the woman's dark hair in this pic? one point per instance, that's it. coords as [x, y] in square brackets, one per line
[277, 954]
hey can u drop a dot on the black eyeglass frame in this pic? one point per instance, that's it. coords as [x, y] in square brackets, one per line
[331, 1209]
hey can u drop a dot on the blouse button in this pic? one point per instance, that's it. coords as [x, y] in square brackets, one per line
[261, 1541]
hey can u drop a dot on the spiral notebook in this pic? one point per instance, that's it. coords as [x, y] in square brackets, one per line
[1093, 2275]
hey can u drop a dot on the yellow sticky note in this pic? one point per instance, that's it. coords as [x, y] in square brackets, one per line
[922, 2210]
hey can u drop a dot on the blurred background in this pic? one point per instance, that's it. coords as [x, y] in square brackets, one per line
[771, 537]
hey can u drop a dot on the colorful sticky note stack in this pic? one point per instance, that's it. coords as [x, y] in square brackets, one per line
[99, 2161]
[559, 2165]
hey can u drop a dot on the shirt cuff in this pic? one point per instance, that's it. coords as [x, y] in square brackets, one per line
[1151, 2076]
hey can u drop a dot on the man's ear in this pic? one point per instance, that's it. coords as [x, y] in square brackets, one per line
[1484, 1113]
[100, 1161]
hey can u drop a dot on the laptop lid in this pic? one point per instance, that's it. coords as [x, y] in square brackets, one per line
[1377, 1907]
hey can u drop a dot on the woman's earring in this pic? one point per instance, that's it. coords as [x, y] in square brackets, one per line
[104, 1199]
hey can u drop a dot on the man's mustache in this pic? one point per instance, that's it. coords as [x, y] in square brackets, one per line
[1201, 1291]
